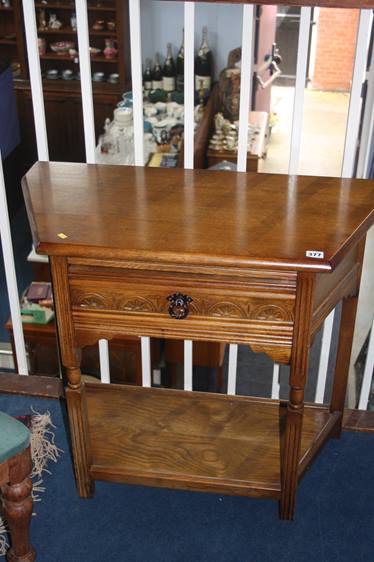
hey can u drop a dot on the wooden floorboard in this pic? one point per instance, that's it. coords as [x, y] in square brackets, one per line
[47, 387]
[358, 420]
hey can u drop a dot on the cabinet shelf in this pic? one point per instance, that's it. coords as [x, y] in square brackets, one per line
[12, 41]
[8, 41]
[103, 33]
[62, 98]
[66, 6]
[55, 6]
[54, 56]
[103, 59]
[101, 8]
[70, 31]
[114, 10]
[194, 440]
[74, 86]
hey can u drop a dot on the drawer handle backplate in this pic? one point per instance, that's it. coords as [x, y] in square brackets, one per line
[178, 305]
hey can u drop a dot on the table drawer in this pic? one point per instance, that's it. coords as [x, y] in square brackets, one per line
[183, 306]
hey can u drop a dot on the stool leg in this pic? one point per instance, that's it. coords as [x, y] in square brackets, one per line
[17, 503]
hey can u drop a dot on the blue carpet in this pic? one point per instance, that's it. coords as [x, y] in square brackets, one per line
[334, 517]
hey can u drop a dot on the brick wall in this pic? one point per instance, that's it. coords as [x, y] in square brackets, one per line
[336, 41]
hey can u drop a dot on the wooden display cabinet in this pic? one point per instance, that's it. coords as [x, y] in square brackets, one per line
[115, 10]
[62, 98]
[12, 43]
[64, 117]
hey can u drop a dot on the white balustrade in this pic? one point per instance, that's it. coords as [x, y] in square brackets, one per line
[189, 83]
[245, 83]
[137, 80]
[367, 379]
[89, 131]
[324, 358]
[35, 79]
[146, 361]
[188, 368]
[10, 276]
[275, 384]
[298, 107]
[233, 368]
[86, 82]
[296, 128]
[355, 102]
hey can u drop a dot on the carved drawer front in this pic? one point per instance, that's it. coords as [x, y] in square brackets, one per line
[244, 310]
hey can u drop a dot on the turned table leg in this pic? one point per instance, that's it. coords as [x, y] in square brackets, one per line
[291, 439]
[71, 359]
[17, 506]
[291, 453]
[79, 434]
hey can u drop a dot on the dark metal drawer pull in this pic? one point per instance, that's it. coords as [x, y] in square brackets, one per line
[178, 305]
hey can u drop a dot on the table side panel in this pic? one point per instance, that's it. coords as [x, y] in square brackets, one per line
[332, 287]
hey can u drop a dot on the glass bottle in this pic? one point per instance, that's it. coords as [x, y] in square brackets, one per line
[123, 128]
[204, 64]
[180, 67]
[157, 74]
[168, 71]
[147, 78]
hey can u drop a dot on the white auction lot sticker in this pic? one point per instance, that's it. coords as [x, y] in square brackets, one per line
[315, 254]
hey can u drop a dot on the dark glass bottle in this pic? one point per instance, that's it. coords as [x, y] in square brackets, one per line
[204, 64]
[180, 67]
[157, 74]
[168, 71]
[147, 78]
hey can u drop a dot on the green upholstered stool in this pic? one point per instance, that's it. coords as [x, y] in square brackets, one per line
[16, 487]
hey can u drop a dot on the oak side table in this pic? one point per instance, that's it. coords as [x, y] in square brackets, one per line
[229, 257]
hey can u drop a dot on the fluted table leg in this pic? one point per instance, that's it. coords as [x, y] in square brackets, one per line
[299, 368]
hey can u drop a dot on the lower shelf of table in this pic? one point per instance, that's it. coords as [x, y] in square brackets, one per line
[194, 440]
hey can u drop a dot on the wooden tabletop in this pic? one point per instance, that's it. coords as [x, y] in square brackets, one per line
[200, 216]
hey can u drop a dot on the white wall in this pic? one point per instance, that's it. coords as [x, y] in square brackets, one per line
[162, 22]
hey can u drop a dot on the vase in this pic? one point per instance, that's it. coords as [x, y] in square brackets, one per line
[110, 51]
